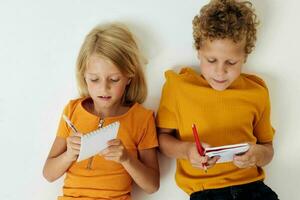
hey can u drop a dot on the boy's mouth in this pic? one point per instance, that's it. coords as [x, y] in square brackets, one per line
[219, 81]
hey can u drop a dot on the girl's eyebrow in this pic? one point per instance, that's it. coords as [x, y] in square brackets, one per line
[112, 74]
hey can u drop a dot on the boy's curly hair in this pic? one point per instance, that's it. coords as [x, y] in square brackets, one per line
[229, 19]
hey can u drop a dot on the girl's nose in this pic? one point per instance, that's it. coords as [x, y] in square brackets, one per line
[104, 85]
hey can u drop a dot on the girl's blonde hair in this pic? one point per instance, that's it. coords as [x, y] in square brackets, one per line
[115, 43]
[230, 19]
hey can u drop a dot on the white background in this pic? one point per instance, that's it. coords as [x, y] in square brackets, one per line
[39, 42]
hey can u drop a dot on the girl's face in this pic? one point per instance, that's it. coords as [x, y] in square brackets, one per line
[221, 62]
[105, 82]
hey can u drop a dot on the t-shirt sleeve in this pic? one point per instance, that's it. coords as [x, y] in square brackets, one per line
[166, 115]
[149, 136]
[63, 129]
[263, 129]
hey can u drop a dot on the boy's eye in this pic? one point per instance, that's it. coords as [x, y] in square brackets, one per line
[211, 60]
[231, 63]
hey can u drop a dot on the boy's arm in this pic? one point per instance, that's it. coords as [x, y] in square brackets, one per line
[265, 152]
[175, 148]
[171, 146]
[258, 154]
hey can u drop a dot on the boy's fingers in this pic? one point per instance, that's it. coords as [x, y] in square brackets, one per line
[241, 158]
[213, 160]
[205, 145]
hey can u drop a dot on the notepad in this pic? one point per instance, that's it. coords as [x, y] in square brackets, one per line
[94, 142]
[227, 152]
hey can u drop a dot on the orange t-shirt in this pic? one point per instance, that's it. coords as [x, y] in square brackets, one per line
[105, 179]
[241, 113]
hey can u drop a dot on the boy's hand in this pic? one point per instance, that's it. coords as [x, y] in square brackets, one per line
[197, 161]
[115, 151]
[249, 158]
[73, 146]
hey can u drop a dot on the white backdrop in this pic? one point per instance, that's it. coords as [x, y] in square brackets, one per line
[39, 42]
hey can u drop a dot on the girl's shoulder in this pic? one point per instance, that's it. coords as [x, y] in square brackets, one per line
[139, 111]
[73, 104]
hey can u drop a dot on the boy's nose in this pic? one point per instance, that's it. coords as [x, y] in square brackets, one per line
[220, 70]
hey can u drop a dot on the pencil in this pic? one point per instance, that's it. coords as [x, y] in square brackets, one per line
[198, 145]
[70, 124]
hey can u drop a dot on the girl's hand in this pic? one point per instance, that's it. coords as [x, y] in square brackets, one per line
[197, 161]
[115, 151]
[249, 158]
[73, 146]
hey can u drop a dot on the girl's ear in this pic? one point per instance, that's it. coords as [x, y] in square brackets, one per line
[129, 81]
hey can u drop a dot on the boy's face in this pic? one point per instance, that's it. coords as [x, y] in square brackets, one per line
[221, 62]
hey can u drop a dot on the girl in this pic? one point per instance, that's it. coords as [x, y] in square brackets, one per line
[112, 87]
[227, 106]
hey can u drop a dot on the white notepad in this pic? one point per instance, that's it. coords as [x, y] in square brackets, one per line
[94, 142]
[226, 152]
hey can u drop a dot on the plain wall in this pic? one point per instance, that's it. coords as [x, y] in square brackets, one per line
[39, 43]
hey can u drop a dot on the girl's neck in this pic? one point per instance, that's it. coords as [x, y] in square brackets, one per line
[114, 110]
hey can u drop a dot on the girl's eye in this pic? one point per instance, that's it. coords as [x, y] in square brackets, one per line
[115, 80]
[94, 80]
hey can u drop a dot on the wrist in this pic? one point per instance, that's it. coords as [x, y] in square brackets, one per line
[127, 160]
[186, 149]
[68, 158]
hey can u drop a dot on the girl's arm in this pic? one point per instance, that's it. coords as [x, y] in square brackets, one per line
[61, 156]
[144, 170]
[258, 154]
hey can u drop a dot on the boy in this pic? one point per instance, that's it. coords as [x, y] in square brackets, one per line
[227, 106]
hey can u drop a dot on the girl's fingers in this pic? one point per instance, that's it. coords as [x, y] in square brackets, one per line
[114, 142]
[76, 152]
[75, 146]
[75, 139]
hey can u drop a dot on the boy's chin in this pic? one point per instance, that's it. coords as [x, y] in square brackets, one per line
[219, 87]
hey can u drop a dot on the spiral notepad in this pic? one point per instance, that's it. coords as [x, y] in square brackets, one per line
[227, 152]
[92, 143]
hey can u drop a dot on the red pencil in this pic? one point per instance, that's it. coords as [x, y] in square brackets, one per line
[198, 144]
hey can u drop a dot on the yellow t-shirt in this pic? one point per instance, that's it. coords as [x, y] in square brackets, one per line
[105, 179]
[241, 113]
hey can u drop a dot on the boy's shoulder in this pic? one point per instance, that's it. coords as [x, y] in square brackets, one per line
[254, 80]
[184, 74]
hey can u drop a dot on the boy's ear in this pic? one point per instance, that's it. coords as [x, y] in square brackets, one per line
[198, 54]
